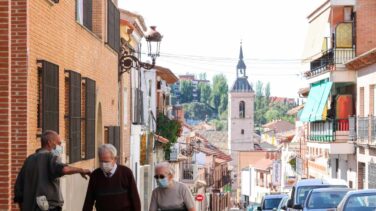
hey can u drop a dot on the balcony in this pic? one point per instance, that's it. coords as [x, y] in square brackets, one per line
[330, 131]
[334, 135]
[330, 61]
[366, 131]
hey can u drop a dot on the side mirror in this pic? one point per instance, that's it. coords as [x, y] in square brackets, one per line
[259, 209]
[290, 203]
[284, 207]
[298, 207]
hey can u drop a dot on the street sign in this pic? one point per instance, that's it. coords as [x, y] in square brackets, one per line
[276, 176]
[199, 197]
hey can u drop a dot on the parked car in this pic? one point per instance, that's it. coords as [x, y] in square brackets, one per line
[323, 199]
[271, 202]
[283, 204]
[359, 200]
[301, 189]
[253, 207]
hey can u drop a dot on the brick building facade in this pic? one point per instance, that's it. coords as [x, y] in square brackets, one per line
[59, 70]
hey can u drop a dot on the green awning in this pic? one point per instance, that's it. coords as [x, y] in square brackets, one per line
[316, 105]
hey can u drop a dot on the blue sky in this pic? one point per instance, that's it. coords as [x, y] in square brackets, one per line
[204, 36]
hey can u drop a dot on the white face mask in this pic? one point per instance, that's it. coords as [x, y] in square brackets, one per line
[106, 166]
[58, 150]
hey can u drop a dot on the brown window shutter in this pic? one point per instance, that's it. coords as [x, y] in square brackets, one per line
[114, 136]
[88, 14]
[371, 99]
[50, 96]
[74, 117]
[361, 101]
[90, 118]
[113, 26]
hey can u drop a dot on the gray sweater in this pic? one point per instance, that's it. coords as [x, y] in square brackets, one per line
[39, 176]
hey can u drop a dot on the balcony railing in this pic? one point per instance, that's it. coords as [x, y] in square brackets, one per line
[329, 60]
[366, 130]
[330, 130]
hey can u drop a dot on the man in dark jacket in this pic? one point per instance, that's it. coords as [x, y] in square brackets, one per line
[112, 186]
[38, 186]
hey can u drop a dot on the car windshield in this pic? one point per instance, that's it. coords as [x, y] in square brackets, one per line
[270, 204]
[321, 200]
[361, 202]
[303, 191]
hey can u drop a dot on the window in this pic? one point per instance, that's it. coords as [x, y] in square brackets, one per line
[84, 13]
[242, 109]
[90, 95]
[48, 107]
[74, 116]
[138, 114]
[113, 26]
[242, 131]
[337, 165]
[348, 13]
[361, 101]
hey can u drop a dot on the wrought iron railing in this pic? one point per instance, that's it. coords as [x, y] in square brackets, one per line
[362, 130]
[189, 171]
[329, 60]
[373, 130]
[322, 131]
[366, 130]
[327, 131]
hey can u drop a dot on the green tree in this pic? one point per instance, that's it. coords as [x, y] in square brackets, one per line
[267, 93]
[223, 104]
[170, 129]
[220, 88]
[260, 105]
[186, 90]
[205, 92]
[198, 111]
[202, 76]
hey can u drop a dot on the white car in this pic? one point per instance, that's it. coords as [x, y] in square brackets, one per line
[301, 189]
[359, 200]
[324, 199]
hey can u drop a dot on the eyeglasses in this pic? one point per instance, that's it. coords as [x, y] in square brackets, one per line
[159, 176]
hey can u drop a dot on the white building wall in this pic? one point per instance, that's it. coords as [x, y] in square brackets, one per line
[366, 78]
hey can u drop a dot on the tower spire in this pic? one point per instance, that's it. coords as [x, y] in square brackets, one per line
[241, 67]
[241, 50]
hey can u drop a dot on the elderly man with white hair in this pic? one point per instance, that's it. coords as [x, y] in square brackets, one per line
[170, 195]
[112, 186]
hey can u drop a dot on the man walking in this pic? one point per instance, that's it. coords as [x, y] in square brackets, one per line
[112, 187]
[38, 185]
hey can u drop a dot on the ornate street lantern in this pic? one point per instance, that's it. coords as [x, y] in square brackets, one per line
[128, 61]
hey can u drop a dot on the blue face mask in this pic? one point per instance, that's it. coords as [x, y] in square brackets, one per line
[162, 183]
[58, 150]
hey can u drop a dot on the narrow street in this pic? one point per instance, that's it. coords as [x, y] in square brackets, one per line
[141, 105]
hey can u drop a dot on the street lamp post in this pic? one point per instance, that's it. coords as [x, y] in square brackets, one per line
[129, 61]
